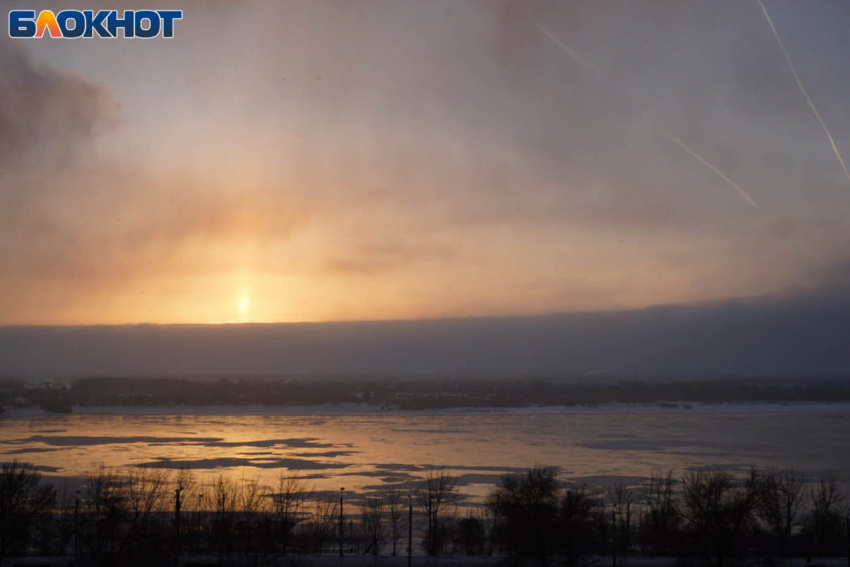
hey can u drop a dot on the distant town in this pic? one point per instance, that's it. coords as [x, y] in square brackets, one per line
[413, 393]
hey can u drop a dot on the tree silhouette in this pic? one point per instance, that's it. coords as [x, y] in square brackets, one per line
[436, 496]
[23, 500]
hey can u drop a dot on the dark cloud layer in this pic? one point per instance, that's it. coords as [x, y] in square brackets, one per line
[801, 334]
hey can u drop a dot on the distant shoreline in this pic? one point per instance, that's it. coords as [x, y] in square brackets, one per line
[365, 410]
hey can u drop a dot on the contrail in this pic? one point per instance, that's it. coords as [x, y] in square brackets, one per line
[719, 173]
[805, 93]
[743, 194]
[567, 49]
[596, 71]
[809, 252]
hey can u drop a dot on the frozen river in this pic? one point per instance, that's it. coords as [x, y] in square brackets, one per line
[366, 450]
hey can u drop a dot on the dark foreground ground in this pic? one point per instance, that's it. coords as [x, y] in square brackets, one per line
[417, 561]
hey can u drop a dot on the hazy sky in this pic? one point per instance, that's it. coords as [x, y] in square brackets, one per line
[365, 159]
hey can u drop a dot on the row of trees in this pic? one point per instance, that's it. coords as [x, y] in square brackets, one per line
[150, 515]
[714, 514]
[147, 516]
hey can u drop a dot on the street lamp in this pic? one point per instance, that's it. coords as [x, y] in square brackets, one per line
[198, 531]
[77, 524]
[341, 490]
[409, 530]
[177, 492]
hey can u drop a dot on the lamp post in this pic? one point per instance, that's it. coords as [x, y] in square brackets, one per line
[847, 526]
[409, 530]
[77, 524]
[177, 492]
[198, 531]
[341, 526]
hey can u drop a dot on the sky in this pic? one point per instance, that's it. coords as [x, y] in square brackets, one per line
[382, 160]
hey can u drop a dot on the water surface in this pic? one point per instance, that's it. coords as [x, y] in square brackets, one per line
[367, 452]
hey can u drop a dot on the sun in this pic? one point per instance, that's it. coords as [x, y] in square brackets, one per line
[243, 303]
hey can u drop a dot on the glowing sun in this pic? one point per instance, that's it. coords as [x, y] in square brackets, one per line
[243, 304]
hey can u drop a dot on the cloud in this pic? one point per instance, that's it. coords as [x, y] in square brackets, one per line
[374, 258]
[405, 159]
[46, 116]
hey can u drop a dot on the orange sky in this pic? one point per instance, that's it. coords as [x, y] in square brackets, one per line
[317, 162]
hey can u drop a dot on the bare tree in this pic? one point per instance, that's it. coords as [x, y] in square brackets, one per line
[186, 480]
[491, 528]
[578, 507]
[66, 528]
[22, 500]
[436, 495]
[251, 502]
[288, 501]
[372, 520]
[223, 500]
[223, 496]
[144, 491]
[104, 511]
[621, 498]
[536, 515]
[325, 521]
[825, 521]
[662, 518]
[191, 498]
[718, 507]
[781, 500]
[395, 510]
[471, 533]
[528, 508]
